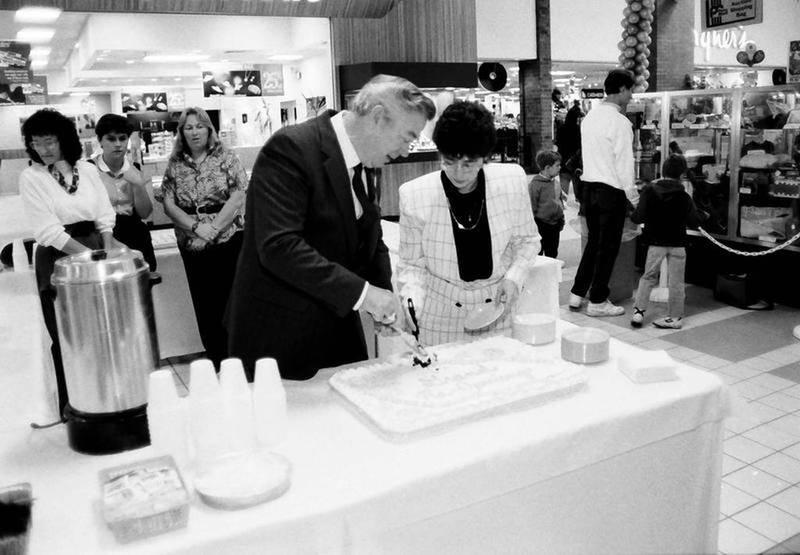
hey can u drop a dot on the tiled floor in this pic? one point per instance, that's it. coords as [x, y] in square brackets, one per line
[756, 354]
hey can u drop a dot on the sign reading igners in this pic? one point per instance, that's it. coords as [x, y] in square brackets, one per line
[730, 13]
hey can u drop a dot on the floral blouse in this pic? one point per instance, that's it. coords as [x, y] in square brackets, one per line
[209, 183]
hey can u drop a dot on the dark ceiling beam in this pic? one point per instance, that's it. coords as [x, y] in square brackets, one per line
[281, 8]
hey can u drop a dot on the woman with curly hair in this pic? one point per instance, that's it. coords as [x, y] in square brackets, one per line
[67, 205]
[203, 193]
[467, 234]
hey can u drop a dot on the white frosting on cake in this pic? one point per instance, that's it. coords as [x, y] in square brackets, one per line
[465, 380]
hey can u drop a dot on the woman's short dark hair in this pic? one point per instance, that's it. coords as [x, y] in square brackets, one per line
[465, 129]
[618, 79]
[112, 123]
[52, 122]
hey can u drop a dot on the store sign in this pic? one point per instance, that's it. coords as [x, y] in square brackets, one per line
[262, 80]
[593, 93]
[793, 67]
[718, 14]
[18, 84]
[729, 39]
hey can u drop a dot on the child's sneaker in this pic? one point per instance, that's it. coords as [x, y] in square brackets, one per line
[606, 308]
[669, 323]
[576, 302]
[637, 318]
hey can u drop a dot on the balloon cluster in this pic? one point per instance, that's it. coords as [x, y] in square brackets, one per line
[637, 26]
[750, 55]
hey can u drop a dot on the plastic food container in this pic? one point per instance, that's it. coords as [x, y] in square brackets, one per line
[585, 345]
[144, 498]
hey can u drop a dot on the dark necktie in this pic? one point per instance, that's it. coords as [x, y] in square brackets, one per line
[365, 195]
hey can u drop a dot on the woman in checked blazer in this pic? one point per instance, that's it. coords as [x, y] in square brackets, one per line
[467, 235]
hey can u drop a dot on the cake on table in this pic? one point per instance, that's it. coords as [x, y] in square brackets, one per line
[465, 380]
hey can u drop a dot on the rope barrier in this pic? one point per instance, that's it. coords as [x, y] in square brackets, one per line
[776, 248]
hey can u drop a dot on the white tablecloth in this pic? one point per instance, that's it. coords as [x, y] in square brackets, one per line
[615, 468]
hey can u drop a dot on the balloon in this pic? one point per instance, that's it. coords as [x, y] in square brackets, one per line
[642, 36]
[649, 4]
[624, 22]
[645, 73]
[640, 46]
[645, 62]
[626, 12]
[645, 25]
[750, 48]
[646, 15]
[621, 45]
[633, 18]
[632, 29]
[631, 41]
[640, 79]
[640, 57]
[627, 63]
[636, 6]
[629, 52]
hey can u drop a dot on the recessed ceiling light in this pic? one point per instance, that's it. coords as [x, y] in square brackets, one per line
[177, 79]
[153, 80]
[130, 61]
[40, 52]
[285, 57]
[35, 35]
[36, 14]
[174, 58]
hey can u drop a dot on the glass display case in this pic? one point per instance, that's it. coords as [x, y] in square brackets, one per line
[769, 164]
[644, 111]
[742, 147]
[700, 129]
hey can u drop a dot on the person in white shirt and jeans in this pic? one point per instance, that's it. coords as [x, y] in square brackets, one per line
[609, 189]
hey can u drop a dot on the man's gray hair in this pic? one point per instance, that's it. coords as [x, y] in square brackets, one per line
[388, 88]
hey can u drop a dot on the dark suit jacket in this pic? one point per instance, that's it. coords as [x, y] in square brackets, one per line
[296, 280]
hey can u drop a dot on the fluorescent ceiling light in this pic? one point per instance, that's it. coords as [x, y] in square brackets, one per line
[174, 58]
[36, 14]
[286, 57]
[79, 93]
[35, 35]
[561, 72]
[40, 52]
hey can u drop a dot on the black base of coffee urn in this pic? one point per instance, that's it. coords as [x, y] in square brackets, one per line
[108, 432]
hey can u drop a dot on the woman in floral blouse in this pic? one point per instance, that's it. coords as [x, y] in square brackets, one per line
[203, 194]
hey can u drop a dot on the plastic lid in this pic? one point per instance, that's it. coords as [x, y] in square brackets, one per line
[98, 266]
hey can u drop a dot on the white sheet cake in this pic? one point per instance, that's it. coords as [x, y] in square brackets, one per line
[465, 380]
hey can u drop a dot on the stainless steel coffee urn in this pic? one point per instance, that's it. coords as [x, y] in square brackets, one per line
[106, 324]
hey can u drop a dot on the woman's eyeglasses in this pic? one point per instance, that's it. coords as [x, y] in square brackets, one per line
[40, 144]
[462, 163]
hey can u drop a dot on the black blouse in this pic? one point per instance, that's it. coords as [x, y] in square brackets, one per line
[471, 232]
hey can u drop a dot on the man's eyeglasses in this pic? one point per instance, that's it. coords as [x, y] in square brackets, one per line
[463, 163]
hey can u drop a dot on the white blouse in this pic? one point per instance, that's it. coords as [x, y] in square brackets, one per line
[49, 207]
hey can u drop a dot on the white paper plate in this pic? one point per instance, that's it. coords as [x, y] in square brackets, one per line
[483, 316]
[242, 480]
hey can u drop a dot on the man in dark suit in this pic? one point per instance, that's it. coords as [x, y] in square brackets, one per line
[313, 253]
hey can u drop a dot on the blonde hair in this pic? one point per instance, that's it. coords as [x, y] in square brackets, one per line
[383, 89]
[180, 141]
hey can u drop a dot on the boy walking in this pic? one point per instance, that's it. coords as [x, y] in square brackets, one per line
[665, 209]
[547, 202]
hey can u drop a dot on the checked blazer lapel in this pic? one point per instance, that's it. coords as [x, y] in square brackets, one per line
[339, 178]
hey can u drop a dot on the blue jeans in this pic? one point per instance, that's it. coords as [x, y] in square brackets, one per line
[676, 266]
